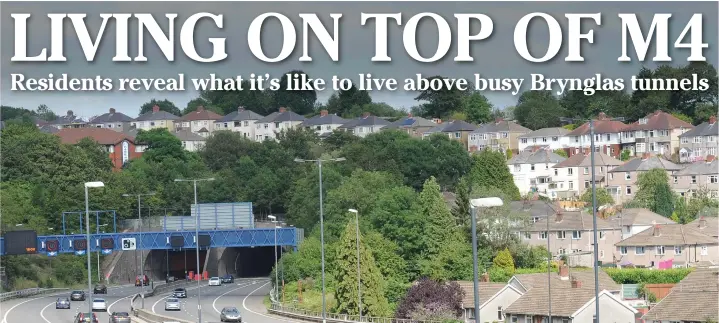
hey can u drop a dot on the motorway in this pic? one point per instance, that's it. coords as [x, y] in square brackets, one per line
[246, 294]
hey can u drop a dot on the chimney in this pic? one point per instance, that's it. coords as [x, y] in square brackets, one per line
[558, 217]
[564, 272]
[712, 119]
[576, 283]
[112, 110]
[484, 278]
[409, 115]
[323, 113]
[240, 108]
[657, 232]
[365, 115]
[702, 222]
[498, 120]
[710, 158]
[69, 113]
[657, 112]
[283, 109]
[156, 109]
[200, 108]
[601, 116]
[646, 156]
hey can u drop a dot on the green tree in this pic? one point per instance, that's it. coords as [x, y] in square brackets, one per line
[561, 152]
[342, 102]
[603, 197]
[257, 101]
[625, 155]
[461, 209]
[509, 154]
[504, 261]
[441, 103]
[649, 183]
[664, 200]
[300, 101]
[165, 105]
[538, 109]
[161, 144]
[440, 227]
[477, 108]
[490, 170]
[374, 302]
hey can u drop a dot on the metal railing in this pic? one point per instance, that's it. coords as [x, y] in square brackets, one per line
[30, 292]
[316, 316]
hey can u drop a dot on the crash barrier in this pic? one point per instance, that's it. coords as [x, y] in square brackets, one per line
[314, 316]
[157, 290]
[29, 292]
[150, 317]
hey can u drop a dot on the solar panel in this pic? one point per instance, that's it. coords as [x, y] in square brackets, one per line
[408, 122]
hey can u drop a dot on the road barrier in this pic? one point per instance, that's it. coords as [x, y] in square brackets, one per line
[157, 290]
[29, 292]
[314, 316]
[150, 317]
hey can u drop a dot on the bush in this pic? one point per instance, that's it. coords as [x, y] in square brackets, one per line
[647, 276]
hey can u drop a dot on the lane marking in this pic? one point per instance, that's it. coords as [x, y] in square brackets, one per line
[244, 305]
[241, 286]
[42, 312]
[115, 302]
[4, 320]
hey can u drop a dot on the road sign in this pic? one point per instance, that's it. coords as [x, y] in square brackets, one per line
[106, 251]
[52, 254]
[128, 244]
[79, 252]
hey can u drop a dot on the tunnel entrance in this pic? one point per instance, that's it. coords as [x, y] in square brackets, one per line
[176, 263]
[255, 262]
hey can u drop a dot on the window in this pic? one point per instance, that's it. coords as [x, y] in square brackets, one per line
[639, 250]
[546, 166]
[676, 180]
[694, 179]
[629, 190]
[576, 139]
[458, 135]
[677, 250]
[660, 250]
[609, 137]
[515, 319]
[570, 171]
[499, 313]
[561, 235]
[685, 140]
[556, 172]
[586, 184]
[602, 235]
[611, 176]
[543, 235]
[697, 140]
[705, 251]
[586, 170]
[505, 134]
[267, 125]
[524, 140]
[528, 235]
[601, 254]
[571, 185]
[565, 320]
[531, 167]
[544, 139]
[622, 250]
[627, 176]
[555, 138]
[641, 147]
[576, 235]
[561, 251]
[517, 168]
[712, 179]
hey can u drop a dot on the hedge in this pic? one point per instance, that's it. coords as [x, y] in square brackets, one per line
[647, 276]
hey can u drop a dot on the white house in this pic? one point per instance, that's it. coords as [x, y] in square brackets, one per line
[269, 126]
[324, 123]
[552, 138]
[364, 125]
[533, 170]
[493, 297]
[242, 121]
[190, 141]
[607, 137]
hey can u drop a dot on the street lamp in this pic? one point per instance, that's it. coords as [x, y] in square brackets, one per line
[142, 252]
[549, 264]
[197, 238]
[274, 220]
[359, 277]
[594, 205]
[474, 205]
[87, 238]
[99, 278]
[322, 226]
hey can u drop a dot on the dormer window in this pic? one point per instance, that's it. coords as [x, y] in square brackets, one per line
[643, 121]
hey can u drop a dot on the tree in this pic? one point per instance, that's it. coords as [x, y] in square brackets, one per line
[160, 144]
[432, 295]
[441, 103]
[496, 226]
[461, 209]
[649, 183]
[504, 261]
[342, 102]
[165, 105]
[477, 108]
[625, 155]
[561, 152]
[490, 170]
[300, 101]
[260, 102]
[374, 302]
[538, 109]
[603, 197]
[664, 200]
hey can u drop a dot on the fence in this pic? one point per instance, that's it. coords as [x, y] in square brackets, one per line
[307, 315]
[30, 292]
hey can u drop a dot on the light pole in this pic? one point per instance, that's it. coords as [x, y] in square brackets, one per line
[474, 205]
[359, 277]
[99, 277]
[274, 220]
[549, 264]
[142, 252]
[197, 238]
[87, 239]
[322, 227]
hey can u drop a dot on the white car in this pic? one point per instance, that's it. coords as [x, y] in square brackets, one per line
[172, 304]
[215, 281]
[99, 304]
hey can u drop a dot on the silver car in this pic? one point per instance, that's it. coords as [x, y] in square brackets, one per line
[172, 304]
[230, 314]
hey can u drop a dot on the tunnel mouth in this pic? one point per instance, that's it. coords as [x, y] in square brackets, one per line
[240, 262]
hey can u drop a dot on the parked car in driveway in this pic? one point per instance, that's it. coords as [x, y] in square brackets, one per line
[172, 304]
[77, 295]
[215, 281]
[180, 293]
[227, 279]
[99, 304]
[100, 289]
[85, 318]
[120, 317]
[62, 303]
[230, 314]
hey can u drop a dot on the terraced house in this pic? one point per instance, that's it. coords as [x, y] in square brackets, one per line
[324, 123]
[242, 121]
[575, 173]
[657, 133]
[607, 137]
[155, 119]
[201, 121]
[112, 120]
[533, 170]
[498, 135]
[271, 125]
[622, 179]
[551, 138]
[365, 125]
[698, 176]
[414, 126]
[680, 244]
[700, 142]
[693, 299]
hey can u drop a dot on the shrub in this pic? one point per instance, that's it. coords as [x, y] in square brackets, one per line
[647, 276]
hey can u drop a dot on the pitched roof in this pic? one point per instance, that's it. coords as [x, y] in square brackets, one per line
[486, 291]
[320, 120]
[409, 122]
[694, 298]
[565, 301]
[157, 115]
[708, 225]
[700, 168]
[186, 135]
[646, 163]
[668, 235]
[364, 121]
[112, 116]
[660, 120]
[501, 126]
[69, 118]
[540, 156]
[241, 115]
[582, 160]
[436, 129]
[546, 132]
[281, 116]
[586, 276]
[640, 216]
[602, 124]
[459, 125]
[703, 129]
[48, 129]
[101, 135]
[702, 278]
[535, 209]
[200, 114]
[571, 221]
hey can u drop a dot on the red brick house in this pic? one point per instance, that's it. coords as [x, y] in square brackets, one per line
[120, 146]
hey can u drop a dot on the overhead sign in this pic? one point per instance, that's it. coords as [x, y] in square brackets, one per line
[106, 251]
[107, 243]
[79, 252]
[52, 254]
[128, 244]
[20, 242]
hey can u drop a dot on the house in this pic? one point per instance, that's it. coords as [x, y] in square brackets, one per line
[552, 138]
[242, 121]
[525, 282]
[493, 297]
[682, 244]
[269, 126]
[537, 209]
[622, 179]
[437, 129]
[500, 135]
[700, 142]
[701, 175]
[70, 120]
[607, 137]
[693, 299]
[570, 232]
[155, 119]
[708, 225]
[414, 126]
[364, 125]
[635, 220]
[571, 302]
[201, 121]
[119, 146]
[112, 120]
[533, 170]
[459, 130]
[657, 133]
[324, 123]
[190, 140]
[575, 173]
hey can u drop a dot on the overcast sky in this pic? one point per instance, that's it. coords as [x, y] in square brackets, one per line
[494, 58]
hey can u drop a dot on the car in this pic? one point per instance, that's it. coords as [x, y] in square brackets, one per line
[172, 304]
[170, 279]
[141, 280]
[100, 289]
[179, 293]
[120, 317]
[230, 314]
[215, 281]
[62, 303]
[99, 304]
[85, 318]
[77, 295]
[227, 279]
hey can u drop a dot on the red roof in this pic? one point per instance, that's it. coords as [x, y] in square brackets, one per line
[602, 124]
[101, 135]
[200, 114]
[660, 120]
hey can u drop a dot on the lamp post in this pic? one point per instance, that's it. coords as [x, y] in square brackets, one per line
[99, 277]
[549, 264]
[142, 253]
[274, 220]
[359, 277]
[87, 239]
[322, 226]
[474, 205]
[197, 238]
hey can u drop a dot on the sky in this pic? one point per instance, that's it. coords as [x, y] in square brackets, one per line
[494, 58]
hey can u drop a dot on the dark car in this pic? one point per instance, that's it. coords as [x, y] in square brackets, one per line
[85, 318]
[170, 279]
[230, 314]
[77, 295]
[179, 293]
[62, 303]
[227, 279]
[141, 280]
[100, 289]
[120, 317]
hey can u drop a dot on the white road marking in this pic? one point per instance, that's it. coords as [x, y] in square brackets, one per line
[230, 291]
[42, 312]
[244, 305]
[115, 302]
[4, 319]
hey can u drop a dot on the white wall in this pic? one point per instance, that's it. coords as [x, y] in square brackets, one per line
[561, 142]
[523, 176]
[611, 311]
[489, 310]
[269, 130]
[245, 127]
